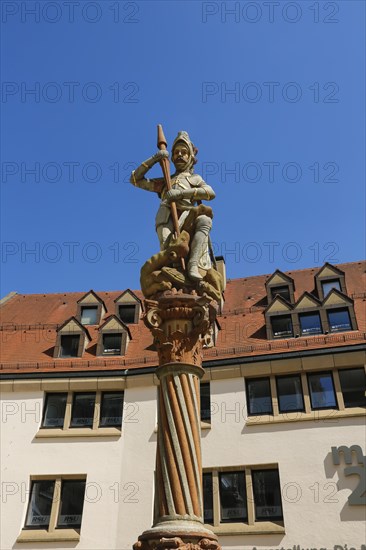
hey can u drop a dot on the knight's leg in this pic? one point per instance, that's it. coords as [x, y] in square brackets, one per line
[164, 232]
[199, 246]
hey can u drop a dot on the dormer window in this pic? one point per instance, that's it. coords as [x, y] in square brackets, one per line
[128, 307]
[91, 309]
[282, 326]
[114, 337]
[89, 315]
[69, 345]
[328, 285]
[330, 277]
[339, 320]
[112, 344]
[283, 291]
[310, 323]
[127, 313]
[281, 285]
[72, 339]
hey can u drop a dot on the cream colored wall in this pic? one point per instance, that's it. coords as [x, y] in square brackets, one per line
[122, 470]
[119, 471]
[303, 453]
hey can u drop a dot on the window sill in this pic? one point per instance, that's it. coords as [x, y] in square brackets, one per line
[259, 528]
[326, 415]
[44, 433]
[40, 535]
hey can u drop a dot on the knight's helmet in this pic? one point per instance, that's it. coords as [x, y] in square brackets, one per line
[184, 137]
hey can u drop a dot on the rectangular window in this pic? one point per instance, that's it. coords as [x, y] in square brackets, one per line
[339, 320]
[322, 393]
[310, 323]
[353, 385]
[282, 326]
[112, 344]
[45, 503]
[289, 393]
[54, 410]
[282, 291]
[127, 313]
[72, 502]
[328, 285]
[245, 496]
[40, 504]
[259, 398]
[83, 410]
[267, 495]
[233, 500]
[207, 497]
[89, 315]
[205, 402]
[111, 409]
[70, 345]
[95, 410]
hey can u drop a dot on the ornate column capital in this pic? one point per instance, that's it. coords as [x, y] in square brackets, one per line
[179, 323]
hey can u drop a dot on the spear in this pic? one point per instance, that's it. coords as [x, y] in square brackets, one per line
[165, 165]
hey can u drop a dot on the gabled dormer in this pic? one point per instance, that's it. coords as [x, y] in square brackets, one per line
[306, 301]
[128, 307]
[279, 322]
[327, 278]
[339, 312]
[114, 337]
[90, 309]
[281, 285]
[307, 316]
[72, 339]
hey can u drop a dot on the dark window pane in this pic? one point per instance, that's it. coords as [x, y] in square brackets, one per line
[205, 403]
[322, 391]
[310, 323]
[267, 495]
[127, 313]
[83, 410]
[281, 326]
[72, 502]
[282, 291]
[259, 396]
[328, 285]
[207, 498]
[353, 384]
[233, 501]
[39, 510]
[111, 410]
[339, 320]
[289, 393]
[54, 411]
[89, 315]
[70, 345]
[112, 344]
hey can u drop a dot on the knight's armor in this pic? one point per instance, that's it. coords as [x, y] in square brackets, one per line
[193, 189]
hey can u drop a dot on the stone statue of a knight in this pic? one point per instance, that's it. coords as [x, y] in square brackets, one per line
[188, 190]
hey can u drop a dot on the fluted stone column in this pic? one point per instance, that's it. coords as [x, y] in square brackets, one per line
[179, 323]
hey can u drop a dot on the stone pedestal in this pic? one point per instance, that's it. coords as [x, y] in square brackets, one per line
[179, 323]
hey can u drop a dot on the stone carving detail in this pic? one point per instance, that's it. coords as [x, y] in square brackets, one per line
[176, 543]
[179, 324]
[163, 272]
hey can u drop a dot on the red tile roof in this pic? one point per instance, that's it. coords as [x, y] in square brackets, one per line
[29, 324]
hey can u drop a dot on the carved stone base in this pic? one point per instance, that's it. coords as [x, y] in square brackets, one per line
[155, 540]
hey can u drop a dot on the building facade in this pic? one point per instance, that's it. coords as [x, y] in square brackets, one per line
[282, 416]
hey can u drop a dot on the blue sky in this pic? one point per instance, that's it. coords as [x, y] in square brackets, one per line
[272, 94]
